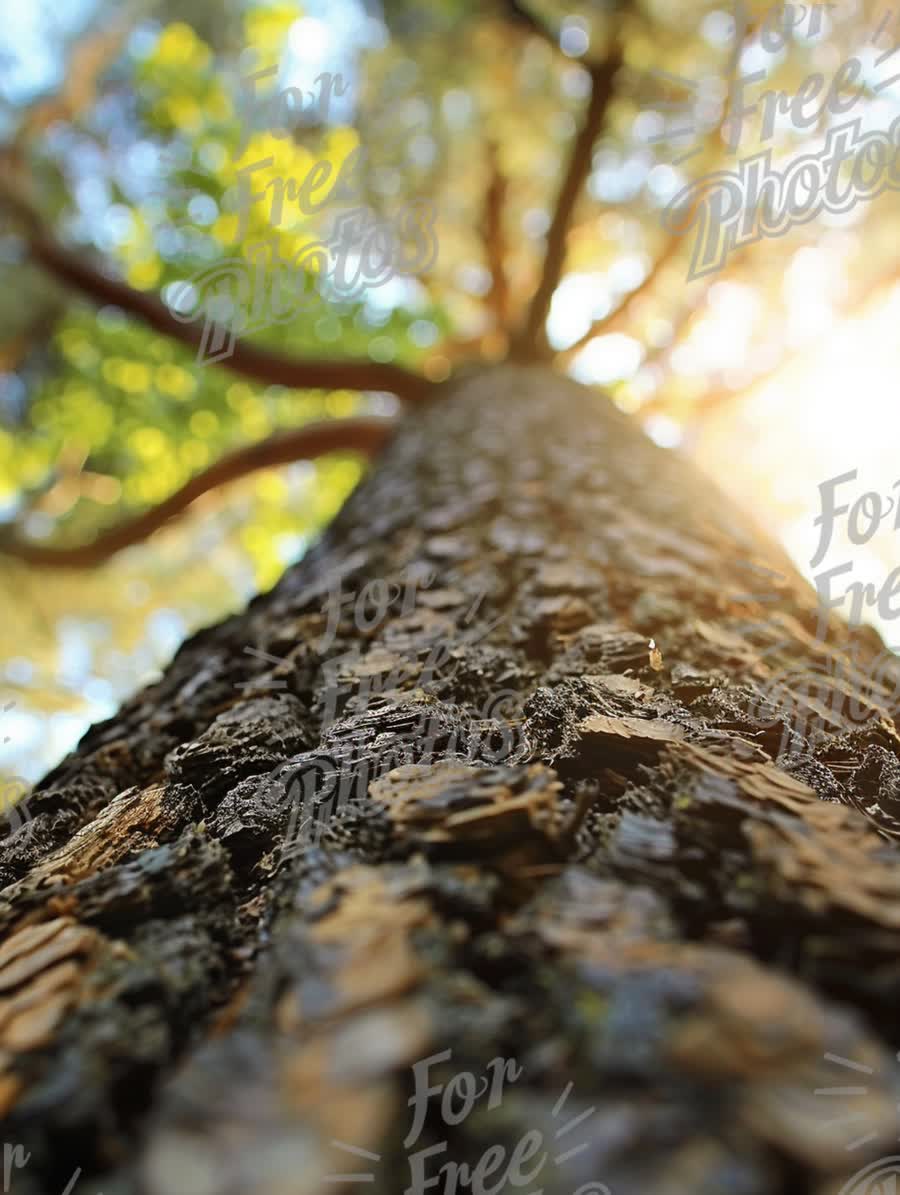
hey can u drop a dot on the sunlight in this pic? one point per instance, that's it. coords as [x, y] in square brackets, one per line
[813, 421]
[608, 359]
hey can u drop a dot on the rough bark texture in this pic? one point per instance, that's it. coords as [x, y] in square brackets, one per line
[638, 901]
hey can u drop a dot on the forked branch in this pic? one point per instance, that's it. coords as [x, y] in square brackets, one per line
[365, 435]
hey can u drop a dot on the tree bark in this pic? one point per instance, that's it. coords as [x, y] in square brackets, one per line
[591, 859]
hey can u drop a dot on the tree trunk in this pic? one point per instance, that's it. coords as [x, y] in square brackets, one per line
[631, 879]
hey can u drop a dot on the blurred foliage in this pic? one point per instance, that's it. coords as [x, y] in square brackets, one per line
[100, 417]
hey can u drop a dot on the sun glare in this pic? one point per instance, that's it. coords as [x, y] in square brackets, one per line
[811, 422]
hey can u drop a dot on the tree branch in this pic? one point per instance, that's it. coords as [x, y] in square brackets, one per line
[365, 434]
[14, 351]
[532, 340]
[497, 298]
[248, 360]
[620, 315]
[262, 365]
[682, 324]
[90, 56]
[521, 15]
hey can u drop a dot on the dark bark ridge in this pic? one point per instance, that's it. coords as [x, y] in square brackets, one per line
[639, 901]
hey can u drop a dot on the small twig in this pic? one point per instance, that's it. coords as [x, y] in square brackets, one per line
[366, 435]
[497, 298]
[90, 56]
[14, 351]
[688, 313]
[520, 14]
[619, 317]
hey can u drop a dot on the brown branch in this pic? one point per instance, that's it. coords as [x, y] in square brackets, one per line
[521, 15]
[532, 340]
[365, 435]
[248, 360]
[621, 314]
[497, 298]
[90, 56]
[682, 324]
[695, 303]
[15, 351]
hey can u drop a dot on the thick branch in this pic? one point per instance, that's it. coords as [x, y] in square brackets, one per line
[365, 435]
[532, 341]
[262, 365]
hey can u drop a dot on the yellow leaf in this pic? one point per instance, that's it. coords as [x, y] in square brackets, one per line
[266, 29]
[143, 274]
